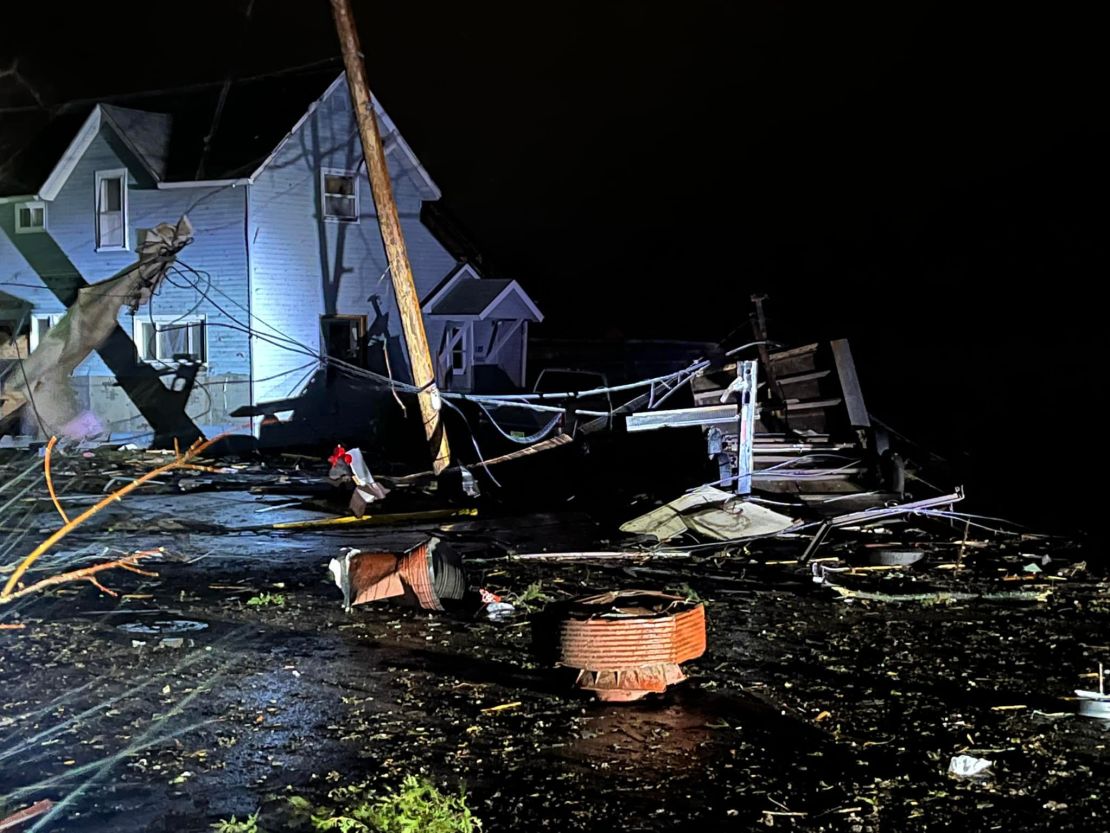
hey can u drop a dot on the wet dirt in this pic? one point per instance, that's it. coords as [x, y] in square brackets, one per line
[806, 712]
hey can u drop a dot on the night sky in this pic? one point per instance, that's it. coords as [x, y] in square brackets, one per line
[931, 182]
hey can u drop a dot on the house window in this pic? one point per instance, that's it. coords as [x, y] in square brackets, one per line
[168, 340]
[40, 326]
[340, 193]
[30, 217]
[111, 210]
[457, 337]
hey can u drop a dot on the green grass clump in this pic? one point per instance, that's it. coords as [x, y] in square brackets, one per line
[267, 600]
[232, 825]
[417, 807]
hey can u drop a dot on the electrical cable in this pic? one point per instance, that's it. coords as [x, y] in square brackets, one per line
[62, 106]
[533, 438]
[522, 400]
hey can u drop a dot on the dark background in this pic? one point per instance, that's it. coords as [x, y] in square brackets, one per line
[929, 181]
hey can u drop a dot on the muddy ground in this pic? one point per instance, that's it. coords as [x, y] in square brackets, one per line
[807, 712]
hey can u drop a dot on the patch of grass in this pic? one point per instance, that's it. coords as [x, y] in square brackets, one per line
[532, 597]
[267, 600]
[417, 807]
[233, 825]
[691, 594]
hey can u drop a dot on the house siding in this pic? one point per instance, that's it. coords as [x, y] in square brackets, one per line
[218, 249]
[303, 266]
[263, 254]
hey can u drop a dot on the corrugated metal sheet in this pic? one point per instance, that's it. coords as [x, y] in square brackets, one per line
[631, 641]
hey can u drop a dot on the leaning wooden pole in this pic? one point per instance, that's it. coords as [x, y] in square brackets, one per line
[412, 322]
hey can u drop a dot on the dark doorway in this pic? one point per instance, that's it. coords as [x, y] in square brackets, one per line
[344, 338]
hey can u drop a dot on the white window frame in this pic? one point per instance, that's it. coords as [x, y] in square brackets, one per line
[32, 205]
[461, 347]
[101, 176]
[141, 321]
[33, 337]
[333, 218]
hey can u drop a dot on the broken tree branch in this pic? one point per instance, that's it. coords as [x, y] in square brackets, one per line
[25, 815]
[195, 450]
[944, 596]
[86, 574]
[50, 480]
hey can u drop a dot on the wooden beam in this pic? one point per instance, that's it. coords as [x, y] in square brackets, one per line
[849, 384]
[503, 339]
[400, 271]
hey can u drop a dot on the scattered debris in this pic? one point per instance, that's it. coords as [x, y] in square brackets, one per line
[496, 609]
[500, 611]
[420, 570]
[708, 511]
[944, 596]
[91, 321]
[351, 466]
[870, 516]
[969, 767]
[25, 815]
[9, 592]
[1095, 703]
[164, 626]
[503, 707]
[886, 557]
[629, 643]
[381, 520]
[602, 555]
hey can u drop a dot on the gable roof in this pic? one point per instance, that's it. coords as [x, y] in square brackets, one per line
[259, 115]
[146, 135]
[458, 273]
[391, 138]
[475, 299]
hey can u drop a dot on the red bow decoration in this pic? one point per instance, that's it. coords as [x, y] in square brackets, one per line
[339, 455]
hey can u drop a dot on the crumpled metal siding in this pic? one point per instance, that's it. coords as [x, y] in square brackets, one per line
[628, 643]
[604, 644]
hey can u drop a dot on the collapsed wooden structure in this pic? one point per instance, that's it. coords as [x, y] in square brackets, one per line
[794, 426]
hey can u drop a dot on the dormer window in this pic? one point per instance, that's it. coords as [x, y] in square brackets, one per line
[30, 217]
[339, 191]
[111, 210]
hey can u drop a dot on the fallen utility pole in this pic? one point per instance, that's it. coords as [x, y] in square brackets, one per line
[400, 271]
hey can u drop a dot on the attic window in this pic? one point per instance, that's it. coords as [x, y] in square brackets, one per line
[30, 217]
[111, 210]
[340, 194]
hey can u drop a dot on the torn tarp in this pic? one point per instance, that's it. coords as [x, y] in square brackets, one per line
[44, 378]
[712, 513]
